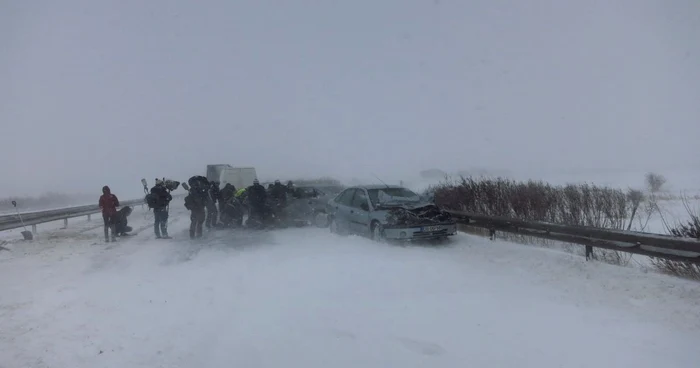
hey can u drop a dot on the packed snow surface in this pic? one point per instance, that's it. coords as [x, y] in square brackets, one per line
[307, 298]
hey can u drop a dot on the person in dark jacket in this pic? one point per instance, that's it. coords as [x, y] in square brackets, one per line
[278, 193]
[160, 200]
[257, 200]
[228, 205]
[109, 203]
[121, 225]
[212, 212]
[226, 193]
[292, 190]
[196, 202]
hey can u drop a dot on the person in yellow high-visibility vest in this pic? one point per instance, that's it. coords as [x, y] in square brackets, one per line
[240, 192]
[240, 197]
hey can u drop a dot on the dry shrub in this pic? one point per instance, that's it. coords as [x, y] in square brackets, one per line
[655, 181]
[572, 204]
[688, 229]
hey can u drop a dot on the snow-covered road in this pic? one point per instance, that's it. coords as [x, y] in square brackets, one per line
[306, 298]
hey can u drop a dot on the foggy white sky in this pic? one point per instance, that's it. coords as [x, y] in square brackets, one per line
[107, 92]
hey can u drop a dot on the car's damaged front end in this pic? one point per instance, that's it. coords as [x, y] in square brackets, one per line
[416, 222]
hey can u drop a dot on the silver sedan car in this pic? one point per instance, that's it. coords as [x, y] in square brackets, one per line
[387, 212]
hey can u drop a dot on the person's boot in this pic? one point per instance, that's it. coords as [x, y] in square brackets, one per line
[199, 230]
[164, 230]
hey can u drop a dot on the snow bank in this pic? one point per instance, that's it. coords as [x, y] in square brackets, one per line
[306, 298]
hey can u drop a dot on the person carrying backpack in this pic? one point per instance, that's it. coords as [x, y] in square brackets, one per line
[108, 204]
[159, 200]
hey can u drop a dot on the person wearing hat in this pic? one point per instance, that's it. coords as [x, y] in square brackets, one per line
[161, 201]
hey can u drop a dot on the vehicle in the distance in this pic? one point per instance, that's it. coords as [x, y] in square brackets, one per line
[308, 203]
[387, 212]
[239, 177]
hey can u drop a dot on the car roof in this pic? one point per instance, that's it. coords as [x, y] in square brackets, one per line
[377, 186]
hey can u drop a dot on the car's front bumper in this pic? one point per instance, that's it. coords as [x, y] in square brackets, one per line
[420, 232]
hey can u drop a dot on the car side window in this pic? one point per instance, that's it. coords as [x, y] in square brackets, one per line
[346, 198]
[359, 199]
[339, 198]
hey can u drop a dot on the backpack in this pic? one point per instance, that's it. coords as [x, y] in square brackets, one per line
[151, 200]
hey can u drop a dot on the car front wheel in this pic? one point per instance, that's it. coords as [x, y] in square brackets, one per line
[377, 232]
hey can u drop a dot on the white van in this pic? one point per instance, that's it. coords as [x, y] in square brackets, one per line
[239, 177]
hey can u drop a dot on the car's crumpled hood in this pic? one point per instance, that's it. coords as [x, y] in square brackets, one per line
[419, 213]
[404, 205]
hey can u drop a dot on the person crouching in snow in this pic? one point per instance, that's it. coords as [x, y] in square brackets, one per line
[122, 222]
[109, 203]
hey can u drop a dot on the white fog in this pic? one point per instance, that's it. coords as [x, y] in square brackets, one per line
[411, 93]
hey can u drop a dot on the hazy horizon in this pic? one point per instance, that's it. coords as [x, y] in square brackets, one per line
[99, 93]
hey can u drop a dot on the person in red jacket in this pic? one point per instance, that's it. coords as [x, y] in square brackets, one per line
[109, 204]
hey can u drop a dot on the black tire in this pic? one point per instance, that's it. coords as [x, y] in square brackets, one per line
[377, 232]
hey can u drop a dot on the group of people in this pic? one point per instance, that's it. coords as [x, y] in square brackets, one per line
[216, 207]
[209, 205]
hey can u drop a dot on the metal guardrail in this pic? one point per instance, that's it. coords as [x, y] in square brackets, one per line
[8, 222]
[648, 244]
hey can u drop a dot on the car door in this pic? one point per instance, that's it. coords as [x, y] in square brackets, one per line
[341, 209]
[359, 213]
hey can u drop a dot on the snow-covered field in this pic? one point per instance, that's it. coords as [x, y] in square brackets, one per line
[306, 298]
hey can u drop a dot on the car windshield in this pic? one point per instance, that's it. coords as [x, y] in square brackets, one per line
[392, 195]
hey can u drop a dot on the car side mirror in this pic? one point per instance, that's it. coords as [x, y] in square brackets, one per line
[364, 206]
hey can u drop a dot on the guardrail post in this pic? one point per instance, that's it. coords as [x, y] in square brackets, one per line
[492, 234]
[589, 252]
[88, 217]
[65, 223]
[34, 229]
